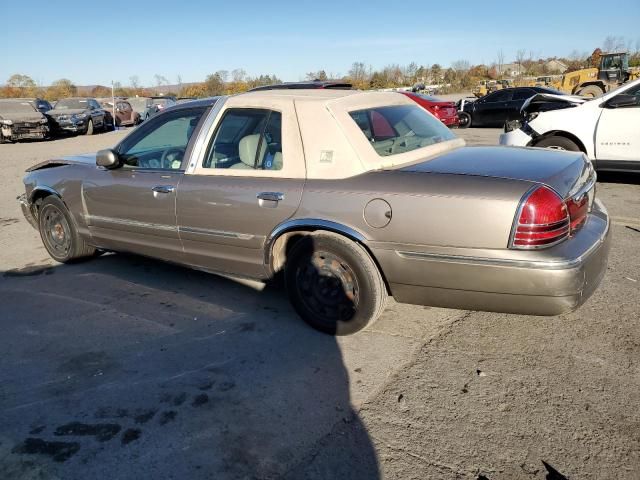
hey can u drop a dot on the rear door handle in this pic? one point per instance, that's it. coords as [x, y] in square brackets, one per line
[164, 189]
[271, 196]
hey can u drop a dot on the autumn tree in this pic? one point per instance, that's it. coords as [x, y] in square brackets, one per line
[19, 85]
[100, 91]
[60, 89]
[213, 85]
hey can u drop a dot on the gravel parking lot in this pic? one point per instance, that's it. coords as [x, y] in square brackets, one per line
[129, 368]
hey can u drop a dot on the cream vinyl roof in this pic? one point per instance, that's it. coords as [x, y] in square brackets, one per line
[332, 144]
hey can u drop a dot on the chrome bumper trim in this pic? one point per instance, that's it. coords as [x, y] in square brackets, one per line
[544, 265]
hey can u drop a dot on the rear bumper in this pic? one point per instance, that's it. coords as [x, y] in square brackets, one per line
[547, 282]
[451, 121]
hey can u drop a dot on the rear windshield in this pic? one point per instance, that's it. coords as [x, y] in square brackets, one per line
[71, 103]
[16, 107]
[400, 128]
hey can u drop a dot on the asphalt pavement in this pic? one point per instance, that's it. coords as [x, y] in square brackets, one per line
[129, 368]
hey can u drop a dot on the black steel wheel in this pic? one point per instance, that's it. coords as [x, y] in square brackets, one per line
[59, 234]
[465, 120]
[333, 284]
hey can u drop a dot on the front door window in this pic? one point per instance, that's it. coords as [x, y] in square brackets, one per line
[163, 143]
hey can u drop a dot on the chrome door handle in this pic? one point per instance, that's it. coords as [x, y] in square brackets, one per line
[164, 189]
[271, 196]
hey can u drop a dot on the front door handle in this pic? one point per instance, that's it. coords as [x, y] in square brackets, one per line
[271, 196]
[163, 189]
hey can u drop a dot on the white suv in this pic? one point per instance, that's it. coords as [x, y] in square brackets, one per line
[606, 128]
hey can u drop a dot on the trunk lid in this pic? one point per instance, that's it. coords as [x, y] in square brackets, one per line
[565, 172]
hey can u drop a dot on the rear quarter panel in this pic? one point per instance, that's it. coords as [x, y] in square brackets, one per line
[438, 210]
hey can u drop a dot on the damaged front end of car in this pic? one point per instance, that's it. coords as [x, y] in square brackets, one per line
[22, 130]
[534, 106]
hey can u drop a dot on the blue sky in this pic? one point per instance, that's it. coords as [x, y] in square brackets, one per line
[96, 42]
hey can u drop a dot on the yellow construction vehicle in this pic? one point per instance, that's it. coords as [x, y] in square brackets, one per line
[487, 86]
[612, 72]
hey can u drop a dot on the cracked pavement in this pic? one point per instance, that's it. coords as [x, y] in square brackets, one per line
[129, 368]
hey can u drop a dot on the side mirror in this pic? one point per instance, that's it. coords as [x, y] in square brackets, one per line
[107, 158]
[622, 100]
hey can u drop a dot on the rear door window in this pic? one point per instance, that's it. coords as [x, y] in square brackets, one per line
[247, 139]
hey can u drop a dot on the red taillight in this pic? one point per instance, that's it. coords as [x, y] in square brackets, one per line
[543, 220]
[578, 209]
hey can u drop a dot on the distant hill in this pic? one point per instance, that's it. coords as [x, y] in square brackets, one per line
[85, 90]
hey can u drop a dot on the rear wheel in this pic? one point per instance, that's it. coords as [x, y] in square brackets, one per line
[89, 130]
[558, 143]
[59, 234]
[590, 91]
[465, 120]
[333, 284]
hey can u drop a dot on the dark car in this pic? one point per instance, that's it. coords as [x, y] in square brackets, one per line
[499, 107]
[304, 85]
[39, 104]
[79, 115]
[20, 120]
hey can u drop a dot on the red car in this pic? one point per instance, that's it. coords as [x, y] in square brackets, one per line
[446, 112]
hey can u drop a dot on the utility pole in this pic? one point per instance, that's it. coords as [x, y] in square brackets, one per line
[113, 105]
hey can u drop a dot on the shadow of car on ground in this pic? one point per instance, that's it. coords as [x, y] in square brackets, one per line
[125, 367]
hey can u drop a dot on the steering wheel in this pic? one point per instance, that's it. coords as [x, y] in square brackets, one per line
[165, 162]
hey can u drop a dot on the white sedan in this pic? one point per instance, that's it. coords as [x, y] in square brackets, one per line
[606, 129]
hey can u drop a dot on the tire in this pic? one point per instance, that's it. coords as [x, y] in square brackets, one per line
[333, 284]
[89, 130]
[590, 91]
[59, 234]
[465, 120]
[558, 143]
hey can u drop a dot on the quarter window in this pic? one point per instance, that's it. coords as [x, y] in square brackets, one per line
[400, 128]
[247, 139]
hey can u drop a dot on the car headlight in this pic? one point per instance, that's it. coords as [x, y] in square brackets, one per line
[79, 116]
[44, 120]
[7, 122]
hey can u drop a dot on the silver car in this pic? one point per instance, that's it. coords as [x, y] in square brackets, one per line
[349, 196]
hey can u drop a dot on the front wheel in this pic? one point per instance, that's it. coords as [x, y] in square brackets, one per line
[465, 120]
[89, 130]
[558, 143]
[333, 284]
[59, 234]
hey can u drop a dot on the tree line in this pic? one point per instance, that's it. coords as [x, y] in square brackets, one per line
[459, 76]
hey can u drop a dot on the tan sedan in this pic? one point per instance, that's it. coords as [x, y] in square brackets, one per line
[349, 196]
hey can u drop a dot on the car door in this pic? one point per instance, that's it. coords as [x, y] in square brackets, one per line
[247, 180]
[132, 207]
[618, 131]
[492, 111]
[96, 112]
